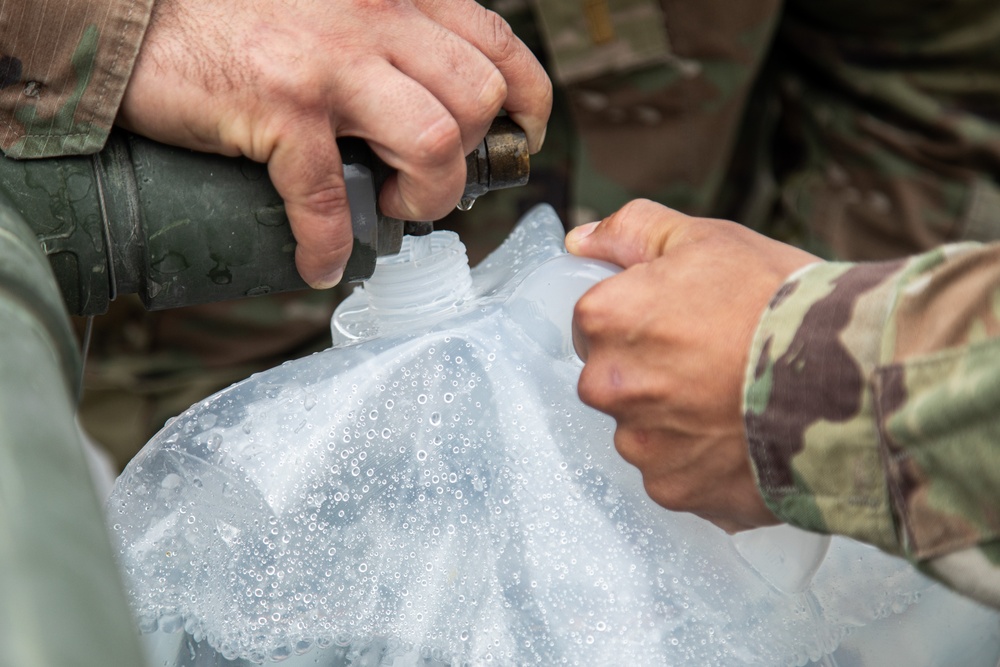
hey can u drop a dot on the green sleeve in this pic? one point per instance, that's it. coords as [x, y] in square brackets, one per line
[64, 67]
[872, 408]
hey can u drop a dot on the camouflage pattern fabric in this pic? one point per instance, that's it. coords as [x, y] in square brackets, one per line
[662, 124]
[894, 111]
[858, 130]
[872, 408]
[64, 66]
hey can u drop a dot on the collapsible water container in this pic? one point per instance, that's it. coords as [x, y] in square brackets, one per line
[431, 491]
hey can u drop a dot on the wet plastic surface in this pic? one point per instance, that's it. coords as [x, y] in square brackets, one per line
[431, 491]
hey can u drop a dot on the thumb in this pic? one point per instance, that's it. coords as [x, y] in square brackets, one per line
[638, 232]
[307, 172]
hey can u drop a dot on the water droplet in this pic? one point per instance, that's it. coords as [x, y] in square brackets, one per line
[421, 455]
[449, 397]
[435, 418]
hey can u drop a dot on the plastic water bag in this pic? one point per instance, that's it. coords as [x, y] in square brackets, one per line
[431, 491]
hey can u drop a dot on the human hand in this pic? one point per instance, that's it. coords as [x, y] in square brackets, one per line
[277, 82]
[666, 344]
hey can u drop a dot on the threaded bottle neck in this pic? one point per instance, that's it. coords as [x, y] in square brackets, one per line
[430, 274]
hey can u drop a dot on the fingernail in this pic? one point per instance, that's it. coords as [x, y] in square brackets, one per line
[329, 281]
[576, 235]
[583, 231]
[541, 139]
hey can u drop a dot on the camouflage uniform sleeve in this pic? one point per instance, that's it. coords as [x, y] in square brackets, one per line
[64, 65]
[872, 408]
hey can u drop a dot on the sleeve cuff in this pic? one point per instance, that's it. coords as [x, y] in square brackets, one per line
[808, 402]
[62, 87]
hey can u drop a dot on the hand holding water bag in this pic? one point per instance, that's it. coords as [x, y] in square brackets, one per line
[432, 489]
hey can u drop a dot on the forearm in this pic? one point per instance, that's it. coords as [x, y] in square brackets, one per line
[872, 406]
[65, 67]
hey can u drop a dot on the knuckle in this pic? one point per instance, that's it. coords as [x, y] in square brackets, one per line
[593, 390]
[616, 223]
[329, 201]
[439, 143]
[665, 493]
[636, 208]
[492, 96]
[583, 314]
[588, 313]
[502, 38]
[329, 252]
[631, 448]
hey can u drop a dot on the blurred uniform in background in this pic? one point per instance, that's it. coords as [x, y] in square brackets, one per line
[143, 367]
[856, 130]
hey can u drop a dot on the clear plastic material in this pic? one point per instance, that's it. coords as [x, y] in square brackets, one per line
[431, 491]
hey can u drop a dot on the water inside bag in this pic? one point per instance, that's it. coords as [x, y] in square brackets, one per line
[430, 491]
